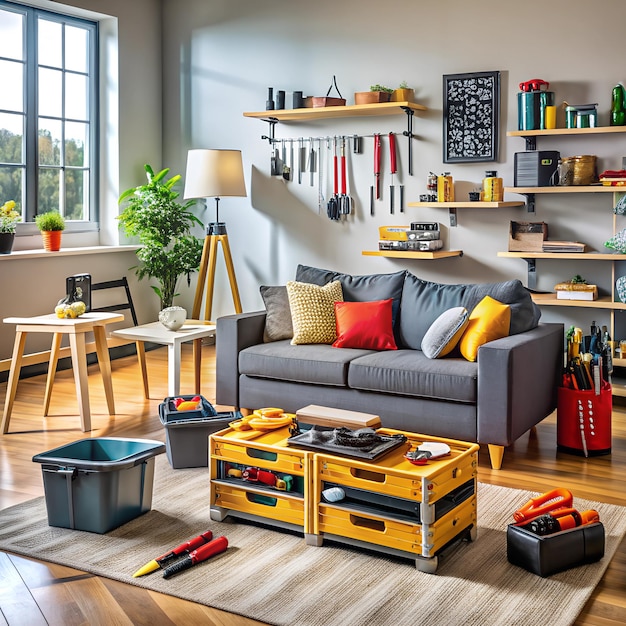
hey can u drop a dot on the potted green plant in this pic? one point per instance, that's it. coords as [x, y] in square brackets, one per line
[403, 93]
[377, 93]
[9, 218]
[51, 224]
[163, 226]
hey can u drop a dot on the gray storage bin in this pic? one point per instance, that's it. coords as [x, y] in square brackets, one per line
[187, 439]
[100, 483]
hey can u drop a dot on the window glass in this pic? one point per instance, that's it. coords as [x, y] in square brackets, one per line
[76, 49]
[49, 190]
[48, 134]
[12, 73]
[50, 43]
[76, 145]
[11, 35]
[50, 142]
[76, 96]
[50, 92]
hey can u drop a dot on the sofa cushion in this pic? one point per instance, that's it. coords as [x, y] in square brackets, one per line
[313, 311]
[315, 363]
[364, 325]
[490, 320]
[356, 288]
[411, 373]
[278, 319]
[423, 302]
[444, 333]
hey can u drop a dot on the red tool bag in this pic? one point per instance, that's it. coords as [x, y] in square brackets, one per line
[583, 421]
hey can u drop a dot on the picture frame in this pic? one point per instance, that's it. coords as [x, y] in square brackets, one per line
[471, 117]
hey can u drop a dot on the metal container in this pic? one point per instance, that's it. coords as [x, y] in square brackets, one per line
[531, 109]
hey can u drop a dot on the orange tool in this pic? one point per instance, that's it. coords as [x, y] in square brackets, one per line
[545, 503]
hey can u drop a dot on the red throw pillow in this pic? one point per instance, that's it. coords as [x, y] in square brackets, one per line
[365, 325]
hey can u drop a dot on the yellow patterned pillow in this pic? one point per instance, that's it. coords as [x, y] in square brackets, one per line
[313, 311]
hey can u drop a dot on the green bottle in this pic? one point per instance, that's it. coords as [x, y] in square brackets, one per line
[618, 106]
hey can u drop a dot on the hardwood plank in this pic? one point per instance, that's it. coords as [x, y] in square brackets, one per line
[532, 462]
[17, 604]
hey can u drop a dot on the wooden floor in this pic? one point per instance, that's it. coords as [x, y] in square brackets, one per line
[32, 592]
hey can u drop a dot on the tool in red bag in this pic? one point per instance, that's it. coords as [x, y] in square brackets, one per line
[217, 546]
[558, 498]
[377, 148]
[393, 168]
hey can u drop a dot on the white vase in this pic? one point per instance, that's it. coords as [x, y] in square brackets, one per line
[173, 317]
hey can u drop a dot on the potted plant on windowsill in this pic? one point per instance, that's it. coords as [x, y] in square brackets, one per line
[9, 218]
[51, 224]
[163, 227]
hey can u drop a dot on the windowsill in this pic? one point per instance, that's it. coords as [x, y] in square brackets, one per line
[35, 254]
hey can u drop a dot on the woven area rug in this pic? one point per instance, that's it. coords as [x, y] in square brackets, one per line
[273, 576]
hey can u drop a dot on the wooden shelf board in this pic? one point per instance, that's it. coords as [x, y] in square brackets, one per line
[565, 189]
[567, 131]
[410, 254]
[466, 205]
[582, 256]
[355, 110]
[549, 299]
[618, 386]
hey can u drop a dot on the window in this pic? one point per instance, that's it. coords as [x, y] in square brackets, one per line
[48, 113]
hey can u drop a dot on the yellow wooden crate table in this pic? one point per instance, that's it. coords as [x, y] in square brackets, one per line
[387, 504]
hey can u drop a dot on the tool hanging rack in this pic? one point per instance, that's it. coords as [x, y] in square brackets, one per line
[387, 108]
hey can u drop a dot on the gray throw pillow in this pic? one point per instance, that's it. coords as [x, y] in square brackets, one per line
[278, 319]
[423, 302]
[444, 333]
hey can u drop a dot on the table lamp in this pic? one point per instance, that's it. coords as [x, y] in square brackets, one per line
[214, 173]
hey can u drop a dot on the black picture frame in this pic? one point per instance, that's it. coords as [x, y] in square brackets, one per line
[471, 116]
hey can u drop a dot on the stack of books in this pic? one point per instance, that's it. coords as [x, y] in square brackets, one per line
[563, 246]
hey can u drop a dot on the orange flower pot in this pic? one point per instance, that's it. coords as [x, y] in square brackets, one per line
[51, 240]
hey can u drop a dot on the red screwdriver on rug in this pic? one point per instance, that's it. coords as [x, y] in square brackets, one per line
[217, 546]
[178, 552]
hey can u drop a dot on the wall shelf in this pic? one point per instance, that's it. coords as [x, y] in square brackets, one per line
[453, 206]
[320, 113]
[411, 254]
[531, 135]
[550, 299]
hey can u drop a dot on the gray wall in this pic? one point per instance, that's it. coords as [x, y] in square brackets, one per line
[220, 57]
[188, 69]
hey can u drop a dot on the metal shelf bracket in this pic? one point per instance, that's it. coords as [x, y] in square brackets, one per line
[272, 121]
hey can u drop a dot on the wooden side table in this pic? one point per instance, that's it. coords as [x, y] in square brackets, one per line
[155, 332]
[76, 330]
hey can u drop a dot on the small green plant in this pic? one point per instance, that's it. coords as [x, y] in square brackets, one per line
[404, 85]
[50, 220]
[381, 88]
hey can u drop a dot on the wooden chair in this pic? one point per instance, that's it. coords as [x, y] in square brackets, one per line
[123, 301]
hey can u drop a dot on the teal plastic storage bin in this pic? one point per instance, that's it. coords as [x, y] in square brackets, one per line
[100, 483]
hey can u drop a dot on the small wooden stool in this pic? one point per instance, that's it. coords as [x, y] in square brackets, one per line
[76, 330]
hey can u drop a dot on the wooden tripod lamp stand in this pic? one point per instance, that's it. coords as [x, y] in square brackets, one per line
[214, 173]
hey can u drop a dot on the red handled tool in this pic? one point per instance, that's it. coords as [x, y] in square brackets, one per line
[394, 169]
[184, 548]
[217, 546]
[377, 148]
[346, 202]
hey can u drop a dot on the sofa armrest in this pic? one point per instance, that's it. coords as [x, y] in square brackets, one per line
[233, 334]
[518, 378]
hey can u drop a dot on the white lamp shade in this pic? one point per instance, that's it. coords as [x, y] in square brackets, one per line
[214, 173]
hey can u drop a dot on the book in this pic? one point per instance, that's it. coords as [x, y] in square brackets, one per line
[576, 295]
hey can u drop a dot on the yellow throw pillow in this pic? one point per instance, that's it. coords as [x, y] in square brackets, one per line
[313, 311]
[488, 321]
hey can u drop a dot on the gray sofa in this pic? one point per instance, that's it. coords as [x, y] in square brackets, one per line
[509, 388]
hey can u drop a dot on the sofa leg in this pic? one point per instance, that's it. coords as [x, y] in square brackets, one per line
[495, 455]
